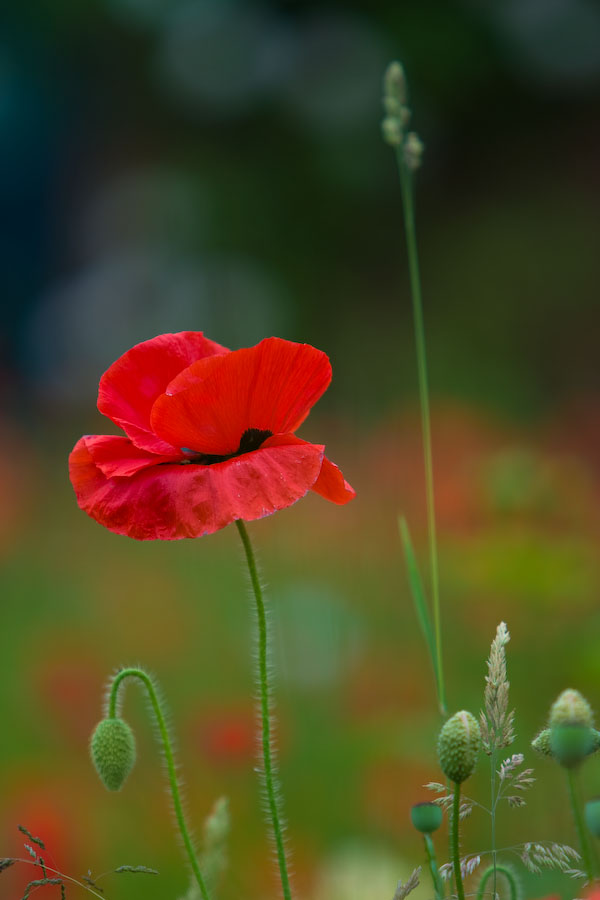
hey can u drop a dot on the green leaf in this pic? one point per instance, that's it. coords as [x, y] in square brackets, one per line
[418, 593]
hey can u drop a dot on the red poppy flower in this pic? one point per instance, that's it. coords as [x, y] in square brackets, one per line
[209, 437]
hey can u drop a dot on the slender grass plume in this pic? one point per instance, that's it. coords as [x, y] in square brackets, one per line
[408, 149]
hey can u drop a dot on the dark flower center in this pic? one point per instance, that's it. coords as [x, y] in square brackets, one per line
[252, 439]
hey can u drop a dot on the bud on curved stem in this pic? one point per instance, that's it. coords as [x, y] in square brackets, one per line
[112, 748]
[121, 737]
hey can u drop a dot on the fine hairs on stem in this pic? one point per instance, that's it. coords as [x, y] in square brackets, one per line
[408, 149]
[265, 702]
[454, 842]
[113, 703]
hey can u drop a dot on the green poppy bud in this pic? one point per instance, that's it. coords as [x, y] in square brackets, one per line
[541, 743]
[592, 816]
[426, 817]
[112, 749]
[570, 744]
[458, 746]
[571, 708]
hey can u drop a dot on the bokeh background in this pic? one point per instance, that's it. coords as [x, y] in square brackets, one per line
[217, 165]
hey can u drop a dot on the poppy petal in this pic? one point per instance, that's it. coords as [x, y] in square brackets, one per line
[270, 387]
[332, 485]
[117, 456]
[130, 386]
[171, 501]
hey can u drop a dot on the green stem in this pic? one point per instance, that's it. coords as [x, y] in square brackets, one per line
[169, 759]
[406, 185]
[454, 842]
[581, 832]
[494, 866]
[491, 873]
[435, 875]
[265, 709]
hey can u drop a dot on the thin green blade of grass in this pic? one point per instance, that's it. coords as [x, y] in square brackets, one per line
[418, 595]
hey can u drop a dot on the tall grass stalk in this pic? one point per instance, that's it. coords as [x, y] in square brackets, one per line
[407, 148]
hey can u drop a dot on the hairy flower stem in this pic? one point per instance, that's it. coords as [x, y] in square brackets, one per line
[435, 875]
[408, 208]
[169, 759]
[455, 850]
[581, 831]
[265, 709]
[492, 873]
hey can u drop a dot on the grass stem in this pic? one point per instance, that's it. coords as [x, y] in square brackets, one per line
[408, 208]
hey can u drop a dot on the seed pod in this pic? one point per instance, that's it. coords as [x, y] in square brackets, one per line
[571, 708]
[543, 742]
[458, 746]
[570, 744]
[112, 749]
[426, 817]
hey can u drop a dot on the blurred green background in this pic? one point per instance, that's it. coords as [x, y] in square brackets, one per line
[185, 164]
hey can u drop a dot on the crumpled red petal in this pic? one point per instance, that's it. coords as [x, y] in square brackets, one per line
[330, 484]
[117, 456]
[130, 386]
[172, 501]
[270, 387]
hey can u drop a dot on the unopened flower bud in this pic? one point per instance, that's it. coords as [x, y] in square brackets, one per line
[426, 817]
[592, 816]
[112, 749]
[570, 744]
[541, 743]
[413, 150]
[394, 82]
[392, 131]
[571, 708]
[458, 746]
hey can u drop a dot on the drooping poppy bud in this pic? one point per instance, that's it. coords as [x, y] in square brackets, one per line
[112, 749]
[426, 817]
[458, 746]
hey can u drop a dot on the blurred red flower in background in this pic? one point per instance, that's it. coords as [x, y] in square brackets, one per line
[209, 437]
